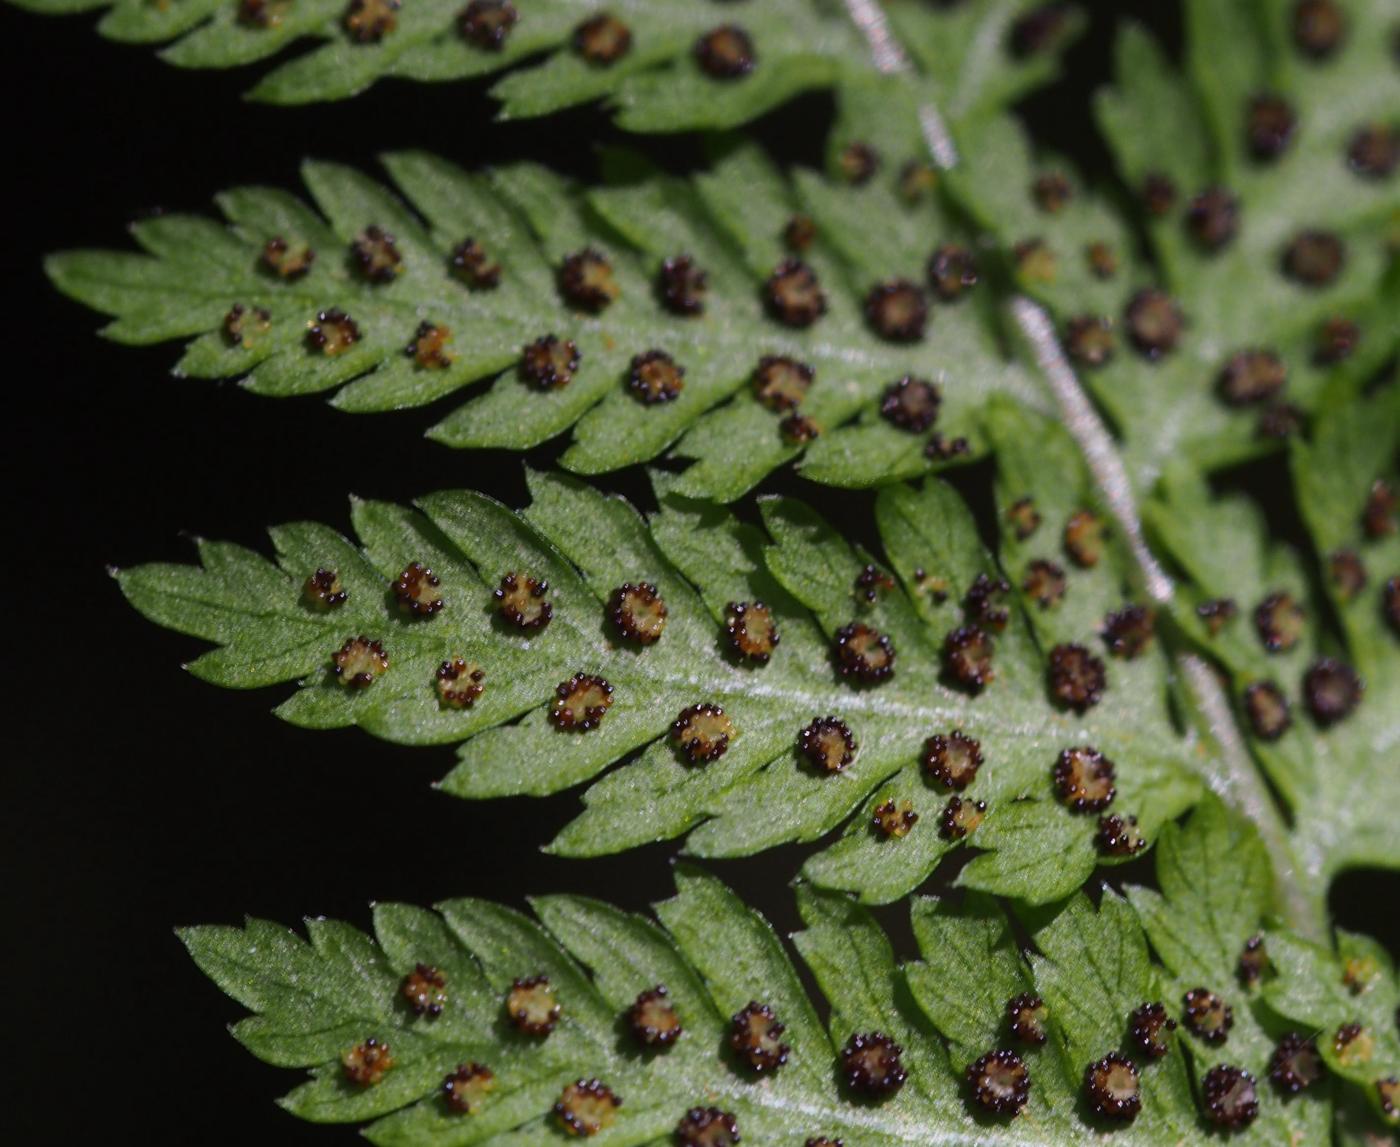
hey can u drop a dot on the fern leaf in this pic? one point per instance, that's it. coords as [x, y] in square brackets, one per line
[1202, 928]
[1175, 407]
[1349, 998]
[736, 213]
[531, 222]
[762, 791]
[1234, 291]
[974, 59]
[1328, 762]
[1066, 246]
[316, 1000]
[649, 67]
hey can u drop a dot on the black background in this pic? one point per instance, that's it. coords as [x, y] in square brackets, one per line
[138, 798]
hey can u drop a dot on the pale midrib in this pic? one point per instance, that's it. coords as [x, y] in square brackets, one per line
[1095, 443]
[690, 1087]
[851, 1117]
[815, 1111]
[735, 336]
[1240, 782]
[766, 684]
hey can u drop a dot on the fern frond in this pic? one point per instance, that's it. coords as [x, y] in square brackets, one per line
[316, 1001]
[736, 214]
[982, 55]
[731, 221]
[1191, 135]
[1349, 997]
[1174, 410]
[1325, 745]
[763, 789]
[815, 735]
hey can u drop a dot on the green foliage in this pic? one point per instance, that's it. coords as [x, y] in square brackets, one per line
[657, 85]
[732, 219]
[529, 220]
[1221, 880]
[735, 215]
[1330, 992]
[762, 791]
[1336, 777]
[1214, 881]
[1192, 130]
[1092, 965]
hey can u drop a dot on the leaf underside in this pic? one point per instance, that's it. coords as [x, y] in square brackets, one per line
[1192, 130]
[1093, 963]
[763, 790]
[731, 220]
[1338, 779]
[977, 56]
[1171, 421]
[1172, 424]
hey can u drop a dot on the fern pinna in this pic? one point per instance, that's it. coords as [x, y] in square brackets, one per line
[557, 347]
[475, 1024]
[1137, 641]
[660, 65]
[925, 646]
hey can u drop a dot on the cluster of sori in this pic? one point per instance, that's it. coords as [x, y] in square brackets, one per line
[1049, 705]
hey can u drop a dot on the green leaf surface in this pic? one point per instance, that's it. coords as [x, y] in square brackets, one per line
[1093, 956]
[1337, 775]
[315, 1000]
[1162, 408]
[1214, 878]
[1170, 407]
[194, 271]
[762, 791]
[975, 55]
[1349, 999]
[1240, 298]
